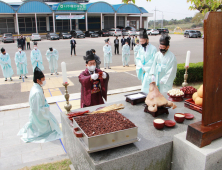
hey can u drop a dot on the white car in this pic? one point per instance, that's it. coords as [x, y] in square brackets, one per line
[115, 32]
[36, 37]
[152, 32]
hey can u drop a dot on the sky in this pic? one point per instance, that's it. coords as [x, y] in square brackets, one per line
[172, 9]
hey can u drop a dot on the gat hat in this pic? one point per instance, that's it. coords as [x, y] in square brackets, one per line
[165, 39]
[143, 34]
[35, 43]
[2, 50]
[89, 56]
[38, 74]
[106, 40]
[50, 48]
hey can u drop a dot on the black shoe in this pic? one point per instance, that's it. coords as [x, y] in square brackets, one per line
[109, 68]
[6, 79]
[26, 77]
[11, 79]
[20, 77]
[105, 68]
[51, 74]
[57, 73]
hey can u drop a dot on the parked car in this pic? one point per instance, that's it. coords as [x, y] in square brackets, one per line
[65, 35]
[198, 34]
[130, 31]
[52, 36]
[163, 30]
[77, 34]
[152, 32]
[120, 27]
[103, 33]
[35, 37]
[138, 31]
[7, 37]
[190, 34]
[91, 34]
[115, 32]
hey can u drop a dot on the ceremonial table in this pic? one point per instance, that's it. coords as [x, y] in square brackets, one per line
[153, 151]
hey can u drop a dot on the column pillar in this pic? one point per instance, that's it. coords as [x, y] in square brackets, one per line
[53, 19]
[125, 21]
[141, 21]
[101, 20]
[77, 23]
[70, 22]
[115, 20]
[86, 19]
[147, 20]
[47, 24]
[17, 24]
[36, 25]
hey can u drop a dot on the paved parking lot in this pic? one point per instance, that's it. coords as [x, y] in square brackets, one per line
[18, 91]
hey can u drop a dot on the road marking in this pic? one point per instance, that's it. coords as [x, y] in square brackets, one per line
[130, 74]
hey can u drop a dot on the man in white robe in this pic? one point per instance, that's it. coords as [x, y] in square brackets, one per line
[52, 56]
[107, 54]
[36, 58]
[126, 54]
[21, 63]
[136, 50]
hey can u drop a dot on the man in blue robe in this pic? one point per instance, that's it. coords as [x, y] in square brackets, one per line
[164, 67]
[144, 61]
[21, 62]
[52, 56]
[42, 126]
[5, 63]
[36, 58]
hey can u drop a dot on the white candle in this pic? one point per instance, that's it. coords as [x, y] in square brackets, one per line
[64, 74]
[187, 59]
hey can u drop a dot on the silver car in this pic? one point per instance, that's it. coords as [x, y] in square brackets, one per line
[36, 37]
[152, 32]
[115, 32]
[8, 37]
[129, 31]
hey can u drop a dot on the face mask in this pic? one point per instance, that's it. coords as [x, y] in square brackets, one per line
[163, 50]
[144, 45]
[91, 68]
[43, 83]
[35, 48]
[20, 49]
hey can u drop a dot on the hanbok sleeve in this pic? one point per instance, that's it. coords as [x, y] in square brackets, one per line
[16, 59]
[47, 55]
[24, 59]
[33, 59]
[139, 66]
[40, 56]
[153, 67]
[56, 53]
[8, 60]
[2, 63]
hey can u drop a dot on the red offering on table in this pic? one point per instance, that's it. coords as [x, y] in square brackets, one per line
[170, 123]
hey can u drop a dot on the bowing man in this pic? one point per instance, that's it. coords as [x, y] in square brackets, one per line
[36, 58]
[144, 61]
[42, 126]
[126, 54]
[5, 63]
[52, 56]
[164, 67]
[21, 62]
[94, 83]
[107, 54]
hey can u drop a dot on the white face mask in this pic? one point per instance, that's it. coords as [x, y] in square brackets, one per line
[35, 48]
[91, 68]
[20, 49]
[43, 83]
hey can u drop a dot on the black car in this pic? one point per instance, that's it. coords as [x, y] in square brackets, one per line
[52, 36]
[198, 34]
[91, 34]
[77, 34]
[103, 33]
[190, 34]
[7, 37]
[65, 35]
[163, 30]
[120, 27]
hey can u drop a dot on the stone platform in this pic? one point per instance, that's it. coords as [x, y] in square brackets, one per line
[153, 151]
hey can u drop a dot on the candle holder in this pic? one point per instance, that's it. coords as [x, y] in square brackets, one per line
[184, 84]
[66, 95]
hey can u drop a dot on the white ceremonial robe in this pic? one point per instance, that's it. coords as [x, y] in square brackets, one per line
[36, 59]
[52, 57]
[6, 66]
[126, 54]
[21, 63]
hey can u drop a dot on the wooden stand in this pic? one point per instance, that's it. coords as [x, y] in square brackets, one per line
[210, 128]
[160, 111]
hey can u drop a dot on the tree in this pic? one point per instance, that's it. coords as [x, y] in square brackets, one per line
[198, 18]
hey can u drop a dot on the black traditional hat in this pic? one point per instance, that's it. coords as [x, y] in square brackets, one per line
[106, 40]
[19, 46]
[93, 50]
[165, 39]
[89, 56]
[38, 74]
[2, 50]
[35, 43]
[143, 34]
[50, 48]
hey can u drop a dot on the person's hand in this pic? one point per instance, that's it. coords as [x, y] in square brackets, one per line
[94, 76]
[153, 78]
[161, 82]
[143, 68]
[36, 60]
[104, 75]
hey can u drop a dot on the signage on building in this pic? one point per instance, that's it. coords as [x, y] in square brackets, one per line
[70, 16]
[71, 7]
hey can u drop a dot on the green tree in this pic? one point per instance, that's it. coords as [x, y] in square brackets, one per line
[198, 18]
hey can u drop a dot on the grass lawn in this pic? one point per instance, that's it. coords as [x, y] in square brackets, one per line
[59, 165]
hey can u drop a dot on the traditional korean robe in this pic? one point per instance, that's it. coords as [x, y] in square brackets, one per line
[144, 60]
[164, 68]
[93, 91]
[21, 63]
[107, 54]
[52, 57]
[5, 63]
[136, 50]
[42, 125]
[36, 55]
[125, 54]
